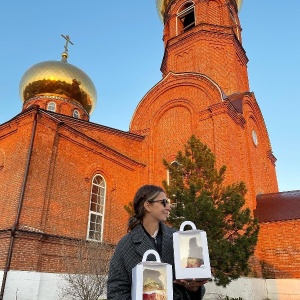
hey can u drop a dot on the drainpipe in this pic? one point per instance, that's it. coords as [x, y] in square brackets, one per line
[16, 223]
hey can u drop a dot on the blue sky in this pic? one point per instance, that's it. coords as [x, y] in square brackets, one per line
[119, 45]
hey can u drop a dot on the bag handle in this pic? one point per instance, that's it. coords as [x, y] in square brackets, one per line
[150, 251]
[187, 223]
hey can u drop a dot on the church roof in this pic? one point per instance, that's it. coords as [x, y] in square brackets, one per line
[278, 206]
[237, 101]
[59, 78]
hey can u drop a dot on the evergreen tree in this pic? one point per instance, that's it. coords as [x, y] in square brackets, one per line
[197, 193]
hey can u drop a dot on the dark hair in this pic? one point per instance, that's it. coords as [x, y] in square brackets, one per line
[144, 193]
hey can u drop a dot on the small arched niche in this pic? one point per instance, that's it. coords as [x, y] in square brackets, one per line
[2, 159]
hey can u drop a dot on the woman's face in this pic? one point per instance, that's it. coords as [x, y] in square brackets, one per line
[159, 208]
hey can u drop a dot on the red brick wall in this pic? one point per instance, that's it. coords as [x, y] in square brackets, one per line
[57, 193]
[213, 47]
[185, 104]
[63, 164]
[4, 245]
[14, 145]
[278, 249]
[34, 251]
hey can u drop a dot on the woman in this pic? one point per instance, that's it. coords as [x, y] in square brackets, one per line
[146, 230]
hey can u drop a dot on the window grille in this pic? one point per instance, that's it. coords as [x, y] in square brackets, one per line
[76, 114]
[186, 18]
[97, 206]
[51, 106]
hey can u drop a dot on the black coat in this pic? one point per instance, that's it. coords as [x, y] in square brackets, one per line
[129, 252]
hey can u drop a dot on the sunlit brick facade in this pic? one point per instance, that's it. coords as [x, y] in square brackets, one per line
[49, 159]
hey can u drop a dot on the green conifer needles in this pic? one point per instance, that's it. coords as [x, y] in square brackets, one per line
[198, 194]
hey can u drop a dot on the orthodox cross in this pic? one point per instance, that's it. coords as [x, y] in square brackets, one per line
[67, 38]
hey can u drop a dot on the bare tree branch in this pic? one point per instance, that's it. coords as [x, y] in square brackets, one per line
[86, 264]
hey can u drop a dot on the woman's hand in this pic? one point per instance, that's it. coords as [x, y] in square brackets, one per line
[191, 285]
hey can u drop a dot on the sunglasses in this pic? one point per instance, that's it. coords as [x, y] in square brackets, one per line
[164, 202]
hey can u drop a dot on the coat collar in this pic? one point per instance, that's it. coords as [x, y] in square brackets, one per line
[143, 242]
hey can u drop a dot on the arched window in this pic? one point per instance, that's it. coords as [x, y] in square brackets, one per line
[51, 106]
[254, 137]
[97, 206]
[174, 165]
[169, 173]
[186, 17]
[76, 114]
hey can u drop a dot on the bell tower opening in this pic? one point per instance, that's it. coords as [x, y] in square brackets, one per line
[204, 37]
[186, 17]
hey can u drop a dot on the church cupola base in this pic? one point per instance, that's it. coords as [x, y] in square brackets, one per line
[58, 104]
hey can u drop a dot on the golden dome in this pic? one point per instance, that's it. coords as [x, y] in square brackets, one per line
[59, 78]
[161, 6]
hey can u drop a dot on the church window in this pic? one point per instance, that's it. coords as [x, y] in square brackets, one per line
[97, 205]
[175, 165]
[254, 137]
[186, 17]
[51, 106]
[76, 114]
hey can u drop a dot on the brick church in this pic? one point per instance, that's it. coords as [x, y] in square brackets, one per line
[65, 177]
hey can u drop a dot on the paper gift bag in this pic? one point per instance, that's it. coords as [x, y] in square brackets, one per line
[191, 253]
[152, 280]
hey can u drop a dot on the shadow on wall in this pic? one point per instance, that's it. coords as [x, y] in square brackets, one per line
[270, 272]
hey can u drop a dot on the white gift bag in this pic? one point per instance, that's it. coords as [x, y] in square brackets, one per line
[191, 253]
[152, 280]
